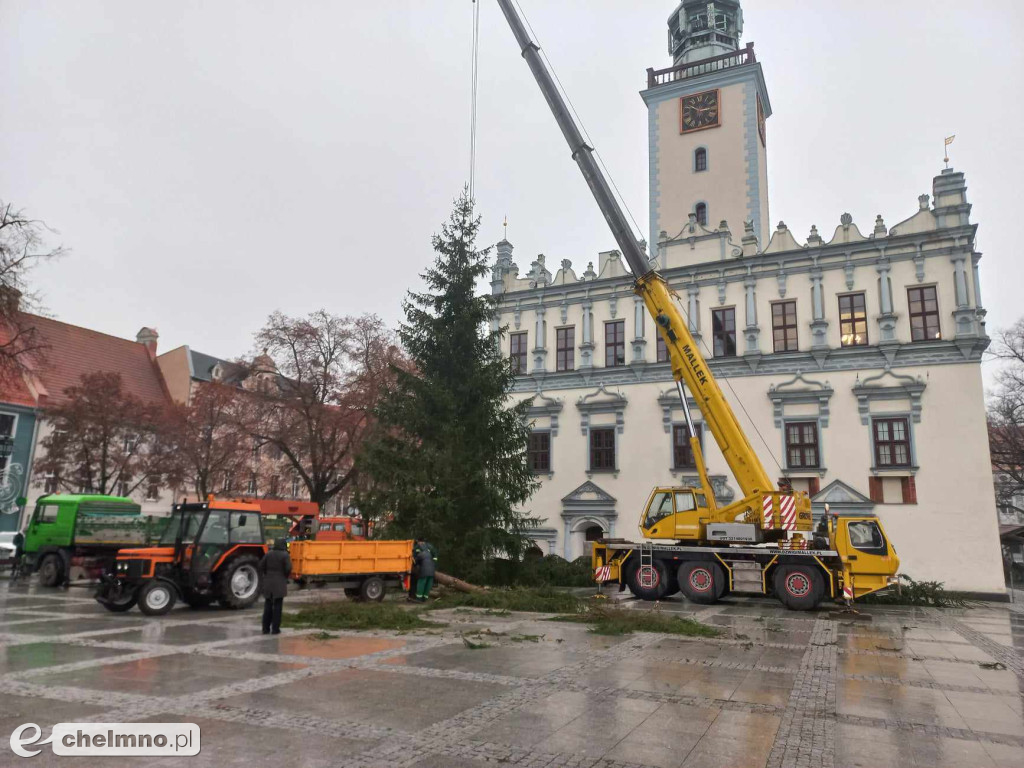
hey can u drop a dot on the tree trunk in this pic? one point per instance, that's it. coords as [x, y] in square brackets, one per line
[457, 584]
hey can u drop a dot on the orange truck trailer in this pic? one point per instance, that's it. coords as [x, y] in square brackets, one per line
[365, 569]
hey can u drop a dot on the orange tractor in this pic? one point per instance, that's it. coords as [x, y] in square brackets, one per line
[208, 553]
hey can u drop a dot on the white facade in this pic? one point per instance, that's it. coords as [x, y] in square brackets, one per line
[893, 423]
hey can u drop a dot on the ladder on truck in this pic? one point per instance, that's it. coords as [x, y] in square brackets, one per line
[647, 576]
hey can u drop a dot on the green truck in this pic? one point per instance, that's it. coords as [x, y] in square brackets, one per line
[84, 531]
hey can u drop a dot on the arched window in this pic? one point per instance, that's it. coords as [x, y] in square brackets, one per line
[702, 213]
[593, 533]
[700, 160]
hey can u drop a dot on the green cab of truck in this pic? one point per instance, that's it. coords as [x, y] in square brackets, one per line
[83, 531]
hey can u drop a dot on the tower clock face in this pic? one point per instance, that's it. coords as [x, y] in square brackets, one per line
[700, 111]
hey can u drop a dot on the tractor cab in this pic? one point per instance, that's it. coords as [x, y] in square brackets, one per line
[208, 552]
[678, 512]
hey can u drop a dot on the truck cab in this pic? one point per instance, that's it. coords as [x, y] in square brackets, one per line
[208, 552]
[676, 512]
[82, 531]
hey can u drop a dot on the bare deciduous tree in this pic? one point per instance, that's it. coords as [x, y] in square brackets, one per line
[104, 440]
[22, 247]
[208, 444]
[312, 392]
[1006, 413]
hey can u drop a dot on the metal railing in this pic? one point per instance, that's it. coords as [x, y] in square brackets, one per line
[702, 67]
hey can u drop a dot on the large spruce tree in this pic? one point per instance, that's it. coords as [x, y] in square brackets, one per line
[449, 462]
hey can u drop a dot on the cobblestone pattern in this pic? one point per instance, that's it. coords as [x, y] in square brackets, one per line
[806, 737]
[932, 730]
[998, 651]
[950, 687]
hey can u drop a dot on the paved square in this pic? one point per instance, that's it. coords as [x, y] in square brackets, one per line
[912, 687]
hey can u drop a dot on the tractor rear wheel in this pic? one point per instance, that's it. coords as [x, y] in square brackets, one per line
[157, 597]
[238, 582]
[702, 582]
[648, 586]
[51, 570]
[799, 587]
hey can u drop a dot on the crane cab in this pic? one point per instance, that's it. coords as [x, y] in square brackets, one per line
[676, 512]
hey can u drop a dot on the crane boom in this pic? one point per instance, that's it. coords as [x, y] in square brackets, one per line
[688, 364]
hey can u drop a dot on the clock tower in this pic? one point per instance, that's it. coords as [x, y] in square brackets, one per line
[707, 118]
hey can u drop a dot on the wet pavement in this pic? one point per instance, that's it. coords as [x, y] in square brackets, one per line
[913, 686]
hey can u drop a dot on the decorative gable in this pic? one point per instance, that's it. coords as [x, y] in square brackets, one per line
[588, 494]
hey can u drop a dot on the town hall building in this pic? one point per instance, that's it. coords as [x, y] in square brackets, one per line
[851, 355]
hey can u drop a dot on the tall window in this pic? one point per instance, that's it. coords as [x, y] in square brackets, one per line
[802, 445]
[152, 492]
[723, 329]
[615, 343]
[565, 348]
[518, 354]
[924, 313]
[853, 321]
[702, 214]
[602, 448]
[296, 485]
[8, 424]
[250, 487]
[538, 452]
[892, 442]
[662, 350]
[700, 160]
[682, 454]
[784, 326]
[275, 485]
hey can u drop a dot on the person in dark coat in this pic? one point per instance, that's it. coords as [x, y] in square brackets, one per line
[275, 567]
[414, 573]
[425, 569]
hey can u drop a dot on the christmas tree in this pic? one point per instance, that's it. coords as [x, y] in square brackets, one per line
[448, 462]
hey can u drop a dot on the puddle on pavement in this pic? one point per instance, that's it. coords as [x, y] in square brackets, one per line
[333, 648]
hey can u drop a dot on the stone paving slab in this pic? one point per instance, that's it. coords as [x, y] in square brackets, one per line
[777, 688]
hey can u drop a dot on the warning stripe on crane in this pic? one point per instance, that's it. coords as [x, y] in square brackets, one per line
[787, 506]
[847, 592]
[603, 573]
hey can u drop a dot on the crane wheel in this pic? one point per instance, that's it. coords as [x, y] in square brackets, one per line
[702, 582]
[648, 586]
[799, 587]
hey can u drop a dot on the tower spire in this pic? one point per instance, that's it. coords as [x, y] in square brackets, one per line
[698, 29]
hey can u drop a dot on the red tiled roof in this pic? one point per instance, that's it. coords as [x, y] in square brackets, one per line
[73, 351]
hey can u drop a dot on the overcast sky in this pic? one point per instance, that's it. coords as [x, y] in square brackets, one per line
[210, 162]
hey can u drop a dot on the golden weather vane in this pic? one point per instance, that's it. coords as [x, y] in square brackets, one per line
[949, 140]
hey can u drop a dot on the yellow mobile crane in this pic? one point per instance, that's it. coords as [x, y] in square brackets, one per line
[758, 544]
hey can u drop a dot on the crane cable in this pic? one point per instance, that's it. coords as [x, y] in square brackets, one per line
[475, 76]
[579, 120]
[736, 397]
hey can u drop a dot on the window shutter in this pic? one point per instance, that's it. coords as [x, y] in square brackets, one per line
[909, 488]
[813, 486]
[875, 490]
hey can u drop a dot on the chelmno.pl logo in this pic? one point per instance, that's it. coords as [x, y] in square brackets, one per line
[149, 739]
